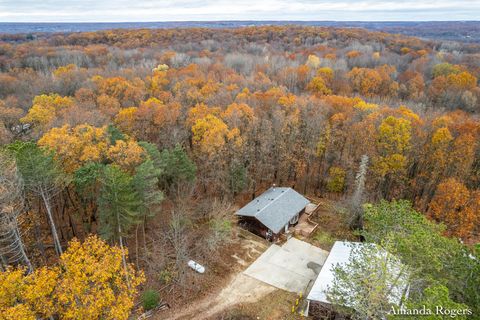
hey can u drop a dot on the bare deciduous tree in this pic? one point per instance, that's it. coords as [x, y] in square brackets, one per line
[358, 195]
[12, 250]
[177, 236]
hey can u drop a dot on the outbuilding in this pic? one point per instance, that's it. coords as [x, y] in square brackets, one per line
[340, 254]
[273, 212]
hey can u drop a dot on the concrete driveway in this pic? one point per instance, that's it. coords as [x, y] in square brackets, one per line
[290, 267]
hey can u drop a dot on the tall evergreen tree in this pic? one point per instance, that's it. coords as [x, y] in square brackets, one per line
[86, 180]
[145, 183]
[153, 153]
[359, 194]
[118, 203]
[176, 167]
[118, 206]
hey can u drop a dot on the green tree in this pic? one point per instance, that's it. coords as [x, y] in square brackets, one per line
[435, 297]
[118, 205]
[150, 299]
[42, 177]
[114, 134]
[336, 179]
[153, 153]
[370, 283]
[145, 183]
[176, 167]
[86, 180]
[238, 178]
[433, 258]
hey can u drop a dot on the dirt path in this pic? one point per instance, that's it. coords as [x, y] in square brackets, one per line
[241, 288]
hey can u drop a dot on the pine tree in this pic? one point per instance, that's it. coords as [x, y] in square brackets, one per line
[86, 180]
[176, 167]
[118, 205]
[153, 153]
[145, 183]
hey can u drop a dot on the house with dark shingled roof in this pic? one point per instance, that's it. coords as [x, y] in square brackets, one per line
[272, 212]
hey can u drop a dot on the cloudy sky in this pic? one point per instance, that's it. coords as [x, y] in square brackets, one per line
[183, 10]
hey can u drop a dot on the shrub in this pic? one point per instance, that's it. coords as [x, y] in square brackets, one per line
[336, 179]
[150, 299]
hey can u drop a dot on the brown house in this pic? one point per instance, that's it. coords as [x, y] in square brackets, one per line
[273, 212]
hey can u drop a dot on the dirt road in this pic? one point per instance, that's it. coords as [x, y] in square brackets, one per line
[241, 288]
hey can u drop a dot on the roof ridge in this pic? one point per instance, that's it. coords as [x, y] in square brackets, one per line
[273, 200]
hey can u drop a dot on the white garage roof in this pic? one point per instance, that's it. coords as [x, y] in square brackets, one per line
[340, 254]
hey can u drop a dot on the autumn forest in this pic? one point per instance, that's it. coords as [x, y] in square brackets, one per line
[124, 153]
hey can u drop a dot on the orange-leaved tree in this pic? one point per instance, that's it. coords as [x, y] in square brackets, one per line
[457, 207]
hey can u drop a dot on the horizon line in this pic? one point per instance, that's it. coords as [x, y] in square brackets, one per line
[204, 21]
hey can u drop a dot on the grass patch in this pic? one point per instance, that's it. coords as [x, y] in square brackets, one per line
[332, 219]
[324, 239]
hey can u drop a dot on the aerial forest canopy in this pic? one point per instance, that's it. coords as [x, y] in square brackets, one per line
[104, 132]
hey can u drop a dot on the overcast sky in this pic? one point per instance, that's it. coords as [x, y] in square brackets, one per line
[201, 10]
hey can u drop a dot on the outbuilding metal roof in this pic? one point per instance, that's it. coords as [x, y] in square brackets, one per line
[340, 255]
[275, 207]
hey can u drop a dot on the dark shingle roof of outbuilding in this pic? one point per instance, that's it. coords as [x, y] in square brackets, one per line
[275, 207]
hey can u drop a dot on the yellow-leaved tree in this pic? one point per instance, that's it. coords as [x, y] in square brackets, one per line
[210, 134]
[76, 146]
[45, 110]
[126, 118]
[89, 282]
[439, 153]
[126, 154]
[313, 62]
[394, 135]
[94, 284]
[27, 296]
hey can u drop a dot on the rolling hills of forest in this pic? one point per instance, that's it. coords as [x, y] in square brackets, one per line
[465, 31]
[124, 154]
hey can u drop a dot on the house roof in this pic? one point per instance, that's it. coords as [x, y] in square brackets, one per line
[275, 207]
[340, 254]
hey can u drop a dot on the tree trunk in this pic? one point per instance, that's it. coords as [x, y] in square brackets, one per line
[144, 237]
[18, 239]
[56, 240]
[124, 260]
[136, 245]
